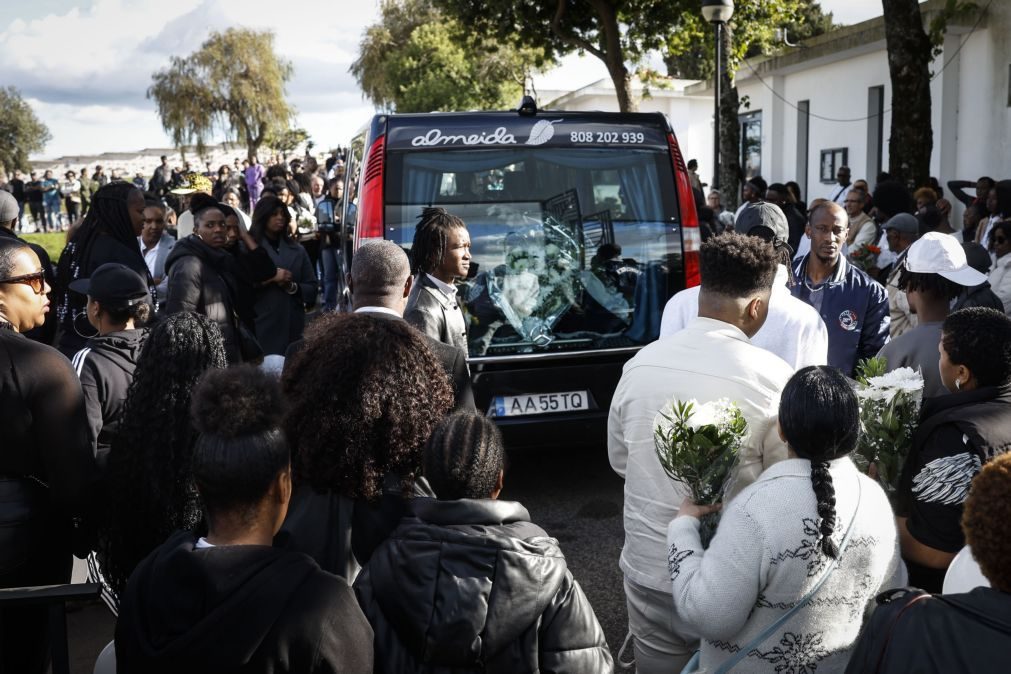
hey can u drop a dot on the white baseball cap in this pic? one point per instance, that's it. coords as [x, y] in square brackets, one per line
[937, 253]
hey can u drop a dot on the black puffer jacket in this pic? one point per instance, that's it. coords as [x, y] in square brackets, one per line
[916, 633]
[474, 586]
[203, 280]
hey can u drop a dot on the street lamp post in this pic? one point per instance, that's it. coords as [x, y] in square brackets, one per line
[717, 12]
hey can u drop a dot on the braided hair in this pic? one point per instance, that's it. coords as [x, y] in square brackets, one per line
[820, 419]
[108, 215]
[149, 481]
[431, 238]
[464, 456]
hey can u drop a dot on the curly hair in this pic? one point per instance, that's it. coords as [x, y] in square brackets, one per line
[241, 448]
[364, 395]
[149, 485]
[431, 238]
[737, 265]
[891, 198]
[820, 418]
[927, 194]
[980, 339]
[464, 457]
[986, 521]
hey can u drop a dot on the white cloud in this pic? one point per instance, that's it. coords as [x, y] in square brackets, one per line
[86, 70]
[85, 66]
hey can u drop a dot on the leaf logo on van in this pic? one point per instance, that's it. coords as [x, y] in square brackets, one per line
[542, 132]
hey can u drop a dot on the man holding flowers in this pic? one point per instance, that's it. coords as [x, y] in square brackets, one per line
[712, 358]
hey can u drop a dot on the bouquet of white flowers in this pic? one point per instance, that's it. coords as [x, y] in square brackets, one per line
[889, 408]
[698, 446]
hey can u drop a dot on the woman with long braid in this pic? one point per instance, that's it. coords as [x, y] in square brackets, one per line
[108, 234]
[799, 554]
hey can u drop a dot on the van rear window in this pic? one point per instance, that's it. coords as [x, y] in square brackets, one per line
[573, 249]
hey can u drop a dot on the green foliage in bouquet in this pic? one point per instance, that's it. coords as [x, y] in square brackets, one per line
[889, 409]
[700, 456]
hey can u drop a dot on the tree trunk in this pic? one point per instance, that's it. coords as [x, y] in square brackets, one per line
[613, 56]
[730, 132]
[909, 56]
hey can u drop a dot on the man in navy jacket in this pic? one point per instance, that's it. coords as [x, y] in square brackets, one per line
[853, 306]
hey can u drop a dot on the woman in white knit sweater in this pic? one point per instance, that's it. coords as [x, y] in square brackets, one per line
[780, 536]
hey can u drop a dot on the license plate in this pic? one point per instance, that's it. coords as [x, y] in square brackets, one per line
[541, 403]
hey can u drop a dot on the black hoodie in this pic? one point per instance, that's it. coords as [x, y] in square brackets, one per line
[105, 367]
[241, 608]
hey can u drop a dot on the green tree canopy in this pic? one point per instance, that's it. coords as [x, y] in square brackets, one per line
[689, 51]
[234, 84]
[417, 60]
[21, 132]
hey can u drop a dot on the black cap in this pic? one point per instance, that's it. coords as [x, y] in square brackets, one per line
[113, 284]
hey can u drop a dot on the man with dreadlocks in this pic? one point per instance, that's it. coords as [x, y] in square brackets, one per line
[108, 234]
[440, 254]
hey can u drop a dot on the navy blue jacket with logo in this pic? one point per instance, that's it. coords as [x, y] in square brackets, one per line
[855, 311]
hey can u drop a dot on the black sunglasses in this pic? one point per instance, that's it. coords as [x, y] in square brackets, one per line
[37, 281]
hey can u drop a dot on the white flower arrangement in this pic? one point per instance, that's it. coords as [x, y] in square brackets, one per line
[889, 409]
[698, 445]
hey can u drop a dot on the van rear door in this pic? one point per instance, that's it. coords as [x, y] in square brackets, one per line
[573, 217]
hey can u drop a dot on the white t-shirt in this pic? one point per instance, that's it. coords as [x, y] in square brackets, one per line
[793, 331]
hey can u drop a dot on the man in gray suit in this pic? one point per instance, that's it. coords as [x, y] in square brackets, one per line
[440, 255]
[155, 245]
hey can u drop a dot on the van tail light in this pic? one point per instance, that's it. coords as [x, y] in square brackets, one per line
[370, 205]
[691, 238]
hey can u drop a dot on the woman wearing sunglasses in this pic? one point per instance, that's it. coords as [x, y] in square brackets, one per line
[1000, 274]
[45, 459]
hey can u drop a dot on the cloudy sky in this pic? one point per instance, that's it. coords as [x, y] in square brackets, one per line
[85, 65]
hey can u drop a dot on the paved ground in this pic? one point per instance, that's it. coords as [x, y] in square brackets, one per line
[572, 494]
[576, 497]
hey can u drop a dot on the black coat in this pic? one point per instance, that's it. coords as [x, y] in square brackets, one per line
[46, 473]
[105, 248]
[204, 280]
[912, 632]
[238, 608]
[474, 586]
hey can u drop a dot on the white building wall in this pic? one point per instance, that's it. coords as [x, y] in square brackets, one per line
[838, 98]
[970, 114]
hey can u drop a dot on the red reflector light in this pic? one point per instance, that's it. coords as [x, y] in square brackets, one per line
[691, 239]
[370, 204]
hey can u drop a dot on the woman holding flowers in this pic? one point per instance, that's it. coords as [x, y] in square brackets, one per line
[957, 434]
[798, 555]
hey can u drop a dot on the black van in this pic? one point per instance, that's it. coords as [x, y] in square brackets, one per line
[582, 225]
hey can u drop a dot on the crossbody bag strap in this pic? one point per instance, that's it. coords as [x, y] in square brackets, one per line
[729, 664]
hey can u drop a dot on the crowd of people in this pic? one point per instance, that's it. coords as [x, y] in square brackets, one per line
[259, 492]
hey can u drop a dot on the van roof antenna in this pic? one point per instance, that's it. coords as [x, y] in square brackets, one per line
[528, 107]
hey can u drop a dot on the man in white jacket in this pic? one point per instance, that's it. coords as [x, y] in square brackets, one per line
[711, 358]
[794, 331]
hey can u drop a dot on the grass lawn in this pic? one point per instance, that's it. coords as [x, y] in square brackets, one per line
[53, 242]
